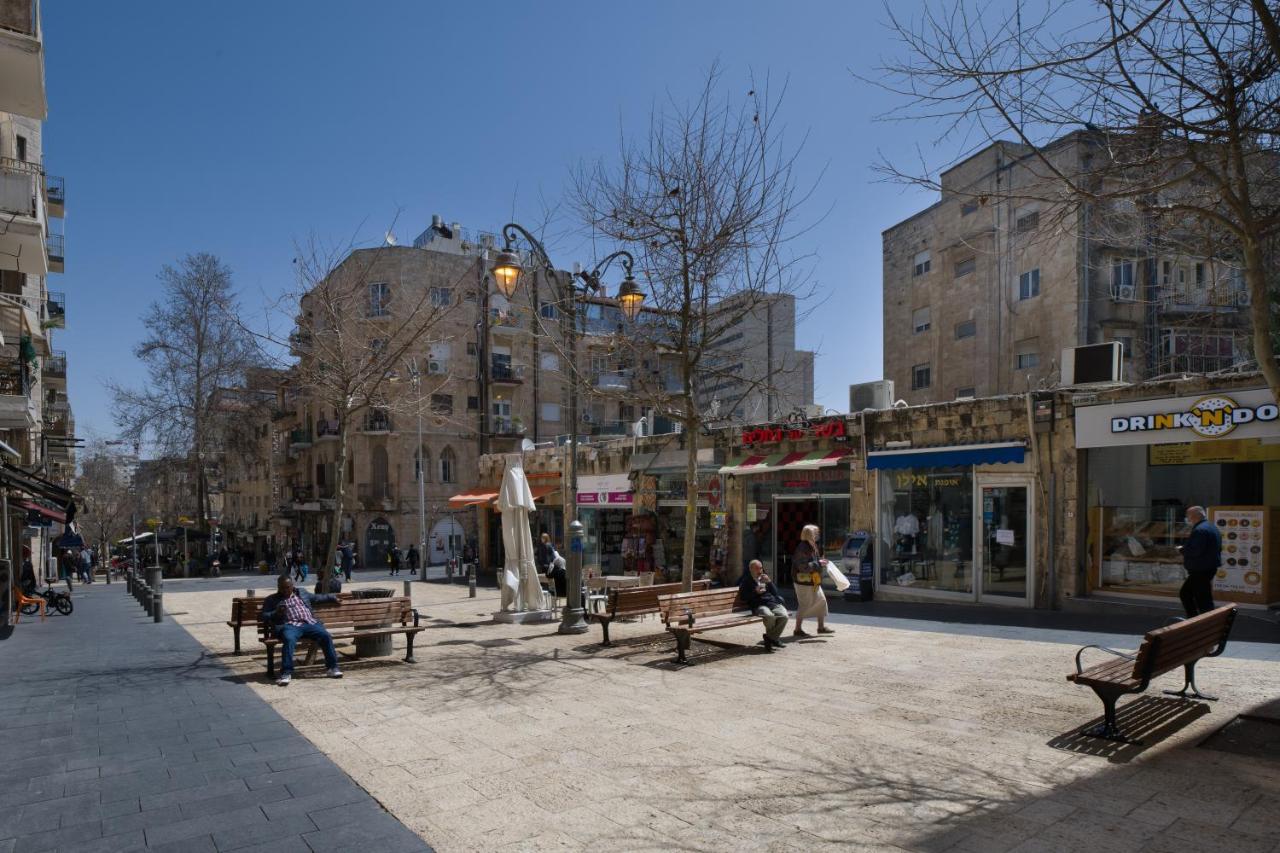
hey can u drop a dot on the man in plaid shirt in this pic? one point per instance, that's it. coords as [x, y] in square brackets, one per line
[289, 610]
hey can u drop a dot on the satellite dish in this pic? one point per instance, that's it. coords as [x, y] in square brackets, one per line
[390, 239]
[526, 445]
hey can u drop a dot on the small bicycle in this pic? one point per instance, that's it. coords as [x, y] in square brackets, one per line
[54, 600]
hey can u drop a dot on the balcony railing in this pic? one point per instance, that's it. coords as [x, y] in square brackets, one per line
[326, 430]
[299, 342]
[614, 381]
[300, 438]
[19, 187]
[20, 16]
[304, 494]
[609, 429]
[56, 364]
[377, 422]
[507, 426]
[504, 372]
[55, 244]
[55, 423]
[56, 307]
[375, 492]
[55, 193]
[1204, 299]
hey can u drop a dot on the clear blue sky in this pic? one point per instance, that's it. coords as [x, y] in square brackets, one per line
[238, 127]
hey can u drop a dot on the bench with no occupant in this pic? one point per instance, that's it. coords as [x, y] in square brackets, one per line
[634, 601]
[1181, 644]
[689, 613]
[356, 619]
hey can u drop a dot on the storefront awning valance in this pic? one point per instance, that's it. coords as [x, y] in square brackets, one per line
[539, 491]
[796, 461]
[51, 514]
[947, 457]
[16, 478]
[472, 497]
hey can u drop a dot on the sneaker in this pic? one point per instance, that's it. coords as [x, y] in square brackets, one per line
[284, 680]
[334, 673]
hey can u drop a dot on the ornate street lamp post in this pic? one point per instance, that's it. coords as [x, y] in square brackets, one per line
[507, 271]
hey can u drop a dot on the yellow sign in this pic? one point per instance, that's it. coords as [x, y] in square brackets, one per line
[1209, 452]
[153, 522]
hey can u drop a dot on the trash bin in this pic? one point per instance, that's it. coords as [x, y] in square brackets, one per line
[379, 646]
[373, 592]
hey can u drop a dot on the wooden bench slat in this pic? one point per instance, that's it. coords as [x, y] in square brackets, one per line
[688, 613]
[353, 618]
[634, 601]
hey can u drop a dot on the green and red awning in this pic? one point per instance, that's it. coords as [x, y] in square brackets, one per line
[793, 461]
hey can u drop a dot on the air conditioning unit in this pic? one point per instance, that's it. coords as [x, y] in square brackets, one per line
[871, 395]
[1242, 299]
[435, 367]
[1126, 293]
[1093, 363]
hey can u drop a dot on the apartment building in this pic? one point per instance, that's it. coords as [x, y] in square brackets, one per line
[984, 288]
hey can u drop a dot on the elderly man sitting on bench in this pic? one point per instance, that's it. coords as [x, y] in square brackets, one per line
[758, 592]
[290, 611]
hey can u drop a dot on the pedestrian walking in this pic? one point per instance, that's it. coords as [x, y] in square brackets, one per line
[412, 556]
[808, 567]
[348, 560]
[1201, 557]
[86, 566]
[393, 559]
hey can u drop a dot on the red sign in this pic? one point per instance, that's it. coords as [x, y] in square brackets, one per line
[832, 428]
[713, 492]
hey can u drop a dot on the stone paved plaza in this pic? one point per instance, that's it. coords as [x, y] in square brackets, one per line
[884, 736]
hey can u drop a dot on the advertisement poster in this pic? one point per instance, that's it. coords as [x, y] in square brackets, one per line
[1244, 540]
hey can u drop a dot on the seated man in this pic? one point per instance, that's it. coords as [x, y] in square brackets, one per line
[289, 610]
[333, 587]
[758, 592]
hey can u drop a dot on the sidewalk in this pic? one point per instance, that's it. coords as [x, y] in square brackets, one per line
[120, 734]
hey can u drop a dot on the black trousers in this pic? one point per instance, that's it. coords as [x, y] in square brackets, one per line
[1197, 593]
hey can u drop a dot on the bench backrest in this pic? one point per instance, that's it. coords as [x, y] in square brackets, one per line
[245, 610]
[359, 613]
[638, 600]
[1172, 646]
[709, 602]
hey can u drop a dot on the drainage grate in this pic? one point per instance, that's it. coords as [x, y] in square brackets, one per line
[1252, 736]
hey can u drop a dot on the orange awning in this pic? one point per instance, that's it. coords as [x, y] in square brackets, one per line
[539, 490]
[472, 497]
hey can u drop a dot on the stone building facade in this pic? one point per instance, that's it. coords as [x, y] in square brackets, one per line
[985, 288]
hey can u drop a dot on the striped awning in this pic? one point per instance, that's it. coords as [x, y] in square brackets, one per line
[795, 461]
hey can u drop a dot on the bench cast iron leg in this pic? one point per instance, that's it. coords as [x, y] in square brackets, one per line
[1108, 730]
[408, 658]
[237, 639]
[682, 646]
[1190, 670]
[604, 623]
[271, 661]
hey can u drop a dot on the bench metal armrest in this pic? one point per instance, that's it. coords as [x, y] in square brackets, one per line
[689, 614]
[1125, 655]
[415, 616]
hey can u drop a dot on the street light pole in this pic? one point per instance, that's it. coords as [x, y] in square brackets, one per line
[416, 378]
[506, 272]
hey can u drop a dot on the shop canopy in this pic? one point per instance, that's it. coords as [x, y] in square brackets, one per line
[795, 461]
[954, 456]
[16, 478]
[539, 490]
[472, 497]
[51, 514]
[140, 538]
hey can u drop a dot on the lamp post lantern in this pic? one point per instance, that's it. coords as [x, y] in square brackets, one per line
[507, 271]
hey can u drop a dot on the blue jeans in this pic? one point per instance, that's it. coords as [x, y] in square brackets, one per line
[289, 636]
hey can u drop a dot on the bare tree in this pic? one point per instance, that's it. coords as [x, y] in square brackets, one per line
[352, 339]
[194, 346]
[107, 501]
[1178, 102]
[706, 203]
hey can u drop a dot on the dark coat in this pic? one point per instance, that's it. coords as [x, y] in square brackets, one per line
[753, 598]
[272, 603]
[1203, 550]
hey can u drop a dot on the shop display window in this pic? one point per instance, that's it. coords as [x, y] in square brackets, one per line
[926, 528]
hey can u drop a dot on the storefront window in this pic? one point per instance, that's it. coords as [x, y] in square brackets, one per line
[780, 504]
[926, 528]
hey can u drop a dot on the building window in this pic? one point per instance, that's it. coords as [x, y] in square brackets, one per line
[962, 393]
[442, 404]
[1028, 354]
[968, 207]
[21, 148]
[1122, 282]
[551, 411]
[379, 299]
[1026, 219]
[966, 266]
[471, 348]
[1029, 284]
[548, 311]
[549, 361]
[448, 465]
[920, 320]
[921, 264]
[967, 329]
[919, 377]
[441, 297]
[422, 465]
[1126, 345]
[473, 404]
[377, 346]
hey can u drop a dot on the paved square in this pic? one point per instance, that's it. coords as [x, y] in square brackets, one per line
[515, 737]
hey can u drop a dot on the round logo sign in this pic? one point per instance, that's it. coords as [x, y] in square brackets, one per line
[1213, 416]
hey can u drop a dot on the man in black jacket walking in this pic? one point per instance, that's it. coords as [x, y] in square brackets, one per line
[1201, 556]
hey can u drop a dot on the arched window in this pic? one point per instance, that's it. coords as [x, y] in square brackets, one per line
[448, 465]
[422, 465]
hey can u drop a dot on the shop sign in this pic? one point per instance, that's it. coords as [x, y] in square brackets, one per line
[1211, 452]
[605, 490]
[714, 492]
[1247, 414]
[831, 428]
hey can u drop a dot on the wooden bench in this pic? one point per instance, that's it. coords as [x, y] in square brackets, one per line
[353, 619]
[244, 613]
[632, 601]
[1181, 644]
[689, 613]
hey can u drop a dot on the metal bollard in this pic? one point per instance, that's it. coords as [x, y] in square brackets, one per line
[471, 581]
[153, 590]
[408, 592]
[157, 603]
[128, 581]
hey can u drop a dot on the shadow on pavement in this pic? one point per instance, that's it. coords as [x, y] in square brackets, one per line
[1149, 719]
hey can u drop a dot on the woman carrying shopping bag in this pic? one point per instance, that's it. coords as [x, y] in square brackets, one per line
[808, 568]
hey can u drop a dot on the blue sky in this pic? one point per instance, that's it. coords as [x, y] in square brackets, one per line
[238, 128]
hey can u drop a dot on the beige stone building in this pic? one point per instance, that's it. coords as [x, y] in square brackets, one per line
[986, 287]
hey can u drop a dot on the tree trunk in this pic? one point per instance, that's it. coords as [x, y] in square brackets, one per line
[339, 502]
[1260, 316]
[690, 500]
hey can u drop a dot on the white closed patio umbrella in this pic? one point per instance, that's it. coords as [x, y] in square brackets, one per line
[515, 500]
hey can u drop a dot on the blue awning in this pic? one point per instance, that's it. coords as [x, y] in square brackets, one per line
[947, 457]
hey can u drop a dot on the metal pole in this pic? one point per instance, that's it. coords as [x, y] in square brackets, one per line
[471, 580]
[422, 477]
[573, 620]
[157, 600]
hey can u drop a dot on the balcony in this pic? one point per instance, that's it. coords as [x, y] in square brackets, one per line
[56, 309]
[55, 366]
[17, 409]
[1202, 301]
[282, 414]
[615, 381]
[54, 243]
[55, 196]
[376, 496]
[377, 422]
[303, 494]
[55, 422]
[22, 211]
[22, 59]
[611, 429]
[503, 373]
[326, 431]
[299, 439]
[508, 427]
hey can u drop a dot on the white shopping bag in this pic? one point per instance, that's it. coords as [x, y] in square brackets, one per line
[837, 576]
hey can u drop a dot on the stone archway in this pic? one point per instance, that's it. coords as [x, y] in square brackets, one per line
[379, 537]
